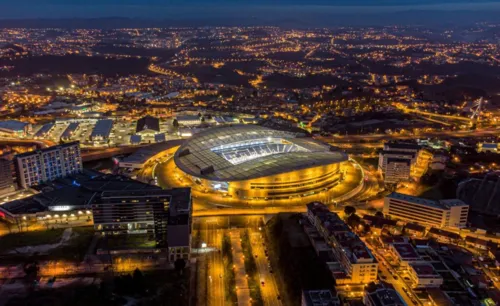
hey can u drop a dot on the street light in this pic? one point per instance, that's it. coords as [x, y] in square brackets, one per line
[203, 245]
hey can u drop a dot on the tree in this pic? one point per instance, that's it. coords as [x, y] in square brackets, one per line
[175, 123]
[138, 280]
[202, 119]
[379, 214]
[179, 265]
[349, 210]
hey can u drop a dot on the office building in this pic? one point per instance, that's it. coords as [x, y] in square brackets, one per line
[382, 294]
[397, 160]
[34, 168]
[357, 264]
[442, 213]
[163, 214]
[6, 178]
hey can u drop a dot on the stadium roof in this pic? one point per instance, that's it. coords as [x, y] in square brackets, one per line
[232, 153]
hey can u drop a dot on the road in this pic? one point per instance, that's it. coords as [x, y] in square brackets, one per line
[215, 275]
[269, 290]
[386, 137]
[388, 274]
[169, 176]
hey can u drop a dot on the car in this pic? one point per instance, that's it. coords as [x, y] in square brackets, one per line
[406, 278]
[395, 277]
[256, 256]
[262, 283]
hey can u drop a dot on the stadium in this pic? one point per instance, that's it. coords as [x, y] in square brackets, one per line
[254, 163]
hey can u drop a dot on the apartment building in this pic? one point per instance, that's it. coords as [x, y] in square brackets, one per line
[358, 264]
[33, 168]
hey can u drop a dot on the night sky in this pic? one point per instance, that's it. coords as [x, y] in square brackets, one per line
[303, 10]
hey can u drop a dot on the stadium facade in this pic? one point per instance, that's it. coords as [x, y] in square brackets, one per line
[251, 162]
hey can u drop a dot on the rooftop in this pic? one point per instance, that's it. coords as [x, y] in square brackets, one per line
[401, 146]
[319, 298]
[423, 270]
[406, 251]
[351, 244]
[13, 125]
[440, 232]
[441, 204]
[61, 146]
[143, 154]
[242, 152]
[148, 123]
[383, 294]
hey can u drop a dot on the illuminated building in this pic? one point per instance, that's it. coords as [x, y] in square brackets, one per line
[443, 213]
[33, 168]
[164, 214]
[396, 161]
[356, 263]
[148, 125]
[14, 128]
[6, 179]
[101, 131]
[423, 275]
[250, 162]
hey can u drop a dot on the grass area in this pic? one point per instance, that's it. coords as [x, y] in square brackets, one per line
[229, 275]
[251, 269]
[77, 246]
[129, 241]
[32, 238]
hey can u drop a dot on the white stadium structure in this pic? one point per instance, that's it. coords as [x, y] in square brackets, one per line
[249, 162]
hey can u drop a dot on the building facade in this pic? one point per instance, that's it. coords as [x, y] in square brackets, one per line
[358, 264]
[164, 214]
[33, 168]
[397, 160]
[443, 213]
[423, 275]
[6, 178]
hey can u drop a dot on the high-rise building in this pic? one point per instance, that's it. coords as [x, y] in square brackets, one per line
[357, 263]
[164, 214]
[443, 213]
[33, 168]
[6, 178]
[397, 160]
